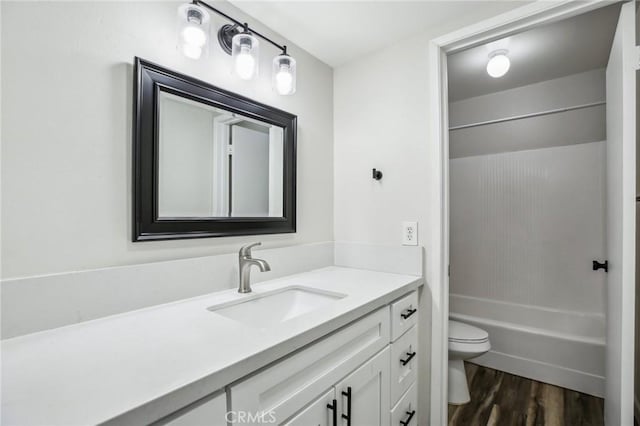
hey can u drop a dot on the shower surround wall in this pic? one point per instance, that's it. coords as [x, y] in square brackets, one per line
[527, 218]
[526, 225]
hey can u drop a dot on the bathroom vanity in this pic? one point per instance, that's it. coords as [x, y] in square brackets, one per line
[327, 347]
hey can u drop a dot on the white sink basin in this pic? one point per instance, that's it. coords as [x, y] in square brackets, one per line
[269, 309]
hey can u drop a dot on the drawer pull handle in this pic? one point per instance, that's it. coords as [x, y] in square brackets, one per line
[409, 358]
[347, 416]
[406, 422]
[334, 408]
[408, 313]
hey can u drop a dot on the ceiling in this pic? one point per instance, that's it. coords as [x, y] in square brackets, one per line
[337, 32]
[555, 50]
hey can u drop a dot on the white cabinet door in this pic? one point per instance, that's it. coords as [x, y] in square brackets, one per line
[291, 384]
[209, 412]
[321, 412]
[363, 396]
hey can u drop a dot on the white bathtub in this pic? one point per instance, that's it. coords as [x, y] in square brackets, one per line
[559, 347]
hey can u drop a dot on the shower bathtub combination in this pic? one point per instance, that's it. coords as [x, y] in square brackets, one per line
[562, 348]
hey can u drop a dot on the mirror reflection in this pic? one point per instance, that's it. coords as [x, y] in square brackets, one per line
[214, 163]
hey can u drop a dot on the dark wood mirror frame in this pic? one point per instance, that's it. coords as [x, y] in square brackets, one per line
[149, 80]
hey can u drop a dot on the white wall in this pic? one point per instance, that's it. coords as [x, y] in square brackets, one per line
[276, 170]
[186, 158]
[380, 120]
[250, 172]
[66, 151]
[381, 111]
[574, 89]
[563, 128]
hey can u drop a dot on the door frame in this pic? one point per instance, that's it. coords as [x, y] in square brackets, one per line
[512, 22]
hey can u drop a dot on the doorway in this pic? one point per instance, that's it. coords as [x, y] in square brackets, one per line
[619, 188]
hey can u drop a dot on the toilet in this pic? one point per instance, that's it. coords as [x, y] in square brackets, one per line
[465, 342]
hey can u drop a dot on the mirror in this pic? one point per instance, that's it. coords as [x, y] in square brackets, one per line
[215, 163]
[208, 162]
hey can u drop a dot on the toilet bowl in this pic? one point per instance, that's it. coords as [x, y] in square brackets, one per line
[465, 342]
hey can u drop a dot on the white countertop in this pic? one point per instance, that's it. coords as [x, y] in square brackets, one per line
[138, 366]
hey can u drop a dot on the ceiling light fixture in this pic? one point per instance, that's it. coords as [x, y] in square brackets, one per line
[237, 40]
[498, 64]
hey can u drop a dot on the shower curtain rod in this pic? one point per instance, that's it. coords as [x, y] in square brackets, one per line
[533, 114]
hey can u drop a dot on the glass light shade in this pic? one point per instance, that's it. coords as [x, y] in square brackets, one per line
[498, 64]
[193, 30]
[244, 54]
[283, 76]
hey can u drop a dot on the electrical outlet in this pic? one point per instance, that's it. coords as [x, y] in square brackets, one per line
[409, 233]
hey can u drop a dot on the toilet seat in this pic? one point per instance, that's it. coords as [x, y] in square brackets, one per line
[465, 333]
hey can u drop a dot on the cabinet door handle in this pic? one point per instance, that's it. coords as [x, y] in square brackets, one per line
[408, 313]
[334, 408]
[347, 416]
[406, 422]
[409, 358]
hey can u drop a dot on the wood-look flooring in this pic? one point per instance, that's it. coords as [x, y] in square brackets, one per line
[499, 398]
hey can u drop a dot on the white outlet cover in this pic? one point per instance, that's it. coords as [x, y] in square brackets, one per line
[409, 233]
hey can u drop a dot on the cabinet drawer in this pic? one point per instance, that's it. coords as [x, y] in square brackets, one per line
[404, 373]
[405, 413]
[404, 315]
[210, 411]
[295, 381]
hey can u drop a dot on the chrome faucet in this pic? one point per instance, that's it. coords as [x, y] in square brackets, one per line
[245, 262]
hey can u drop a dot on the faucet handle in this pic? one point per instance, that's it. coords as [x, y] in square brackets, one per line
[246, 250]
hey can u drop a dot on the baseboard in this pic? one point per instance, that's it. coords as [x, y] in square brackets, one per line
[543, 372]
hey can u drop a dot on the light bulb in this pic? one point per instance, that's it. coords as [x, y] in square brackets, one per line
[283, 74]
[193, 30]
[498, 64]
[245, 63]
[244, 54]
[284, 80]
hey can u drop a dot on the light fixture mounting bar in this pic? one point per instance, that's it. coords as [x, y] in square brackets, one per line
[241, 24]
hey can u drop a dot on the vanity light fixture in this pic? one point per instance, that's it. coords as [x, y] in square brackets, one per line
[193, 30]
[236, 39]
[244, 54]
[498, 64]
[283, 74]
